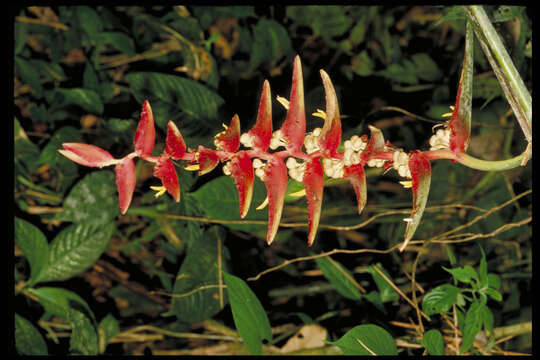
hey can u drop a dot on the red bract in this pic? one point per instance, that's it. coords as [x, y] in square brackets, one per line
[261, 132]
[357, 177]
[165, 171]
[229, 140]
[421, 179]
[125, 182]
[294, 127]
[175, 147]
[145, 135]
[242, 173]
[330, 136]
[207, 160]
[313, 181]
[87, 155]
[275, 180]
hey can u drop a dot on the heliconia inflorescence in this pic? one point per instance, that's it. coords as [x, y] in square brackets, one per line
[273, 156]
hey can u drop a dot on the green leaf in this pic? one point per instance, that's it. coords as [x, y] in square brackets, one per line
[494, 294]
[439, 299]
[325, 21]
[473, 324]
[176, 96]
[249, 316]
[58, 301]
[90, 78]
[28, 339]
[483, 270]
[367, 340]
[108, 328]
[386, 292]
[219, 200]
[26, 153]
[119, 41]
[426, 68]
[75, 249]
[361, 64]
[34, 246]
[464, 274]
[26, 70]
[93, 200]
[494, 281]
[89, 20]
[270, 43]
[433, 342]
[401, 73]
[50, 155]
[87, 99]
[340, 277]
[84, 339]
[200, 269]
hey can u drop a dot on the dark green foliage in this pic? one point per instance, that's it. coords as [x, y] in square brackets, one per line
[81, 74]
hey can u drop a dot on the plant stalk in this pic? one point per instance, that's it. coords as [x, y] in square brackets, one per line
[511, 82]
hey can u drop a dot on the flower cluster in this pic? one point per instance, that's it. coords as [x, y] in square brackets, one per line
[272, 156]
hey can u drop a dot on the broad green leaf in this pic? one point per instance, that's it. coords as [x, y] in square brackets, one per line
[219, 200]
[270, 43]
[494, 294]
[75, 249]
[28, 339]
[26, 153]
[119, 41]
[483, 270]
[433, 342]
[426, 68]
[494, 281]
[90, 78]
[26, 70]
[362, 65]
[439, 299]
[87, 99]
[200, 269]
[401, 73]
[84, 339]
[474, 319]
[367, 340]
[58, 301]
[50, 155]
[176, 96]
[93, 200]
[108, 328]
[249, 316]
[34, 246]
[325, 21]
[464, 274]
[386, 292]
[340, 277]
[89, 21]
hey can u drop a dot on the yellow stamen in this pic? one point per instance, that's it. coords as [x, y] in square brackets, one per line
[298, 193]
[194, 167]
[263, 204]
[320, 113]
[160, 190]
[406, 184]
[283, 102]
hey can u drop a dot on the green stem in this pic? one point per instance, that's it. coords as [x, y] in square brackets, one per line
[486, 165]
[513, 86]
